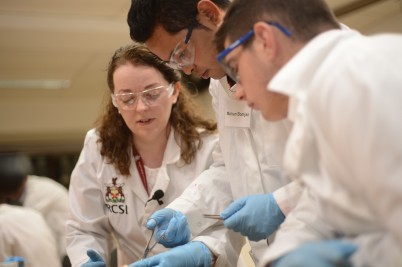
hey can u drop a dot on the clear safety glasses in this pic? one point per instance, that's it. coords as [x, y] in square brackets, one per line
[232, 72]
[183, 54]
[150, 97]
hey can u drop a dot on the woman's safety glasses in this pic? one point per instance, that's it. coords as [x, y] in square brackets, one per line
[150, 97]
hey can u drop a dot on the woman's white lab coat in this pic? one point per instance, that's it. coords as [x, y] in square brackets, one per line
[346, 144]
[103, 201]
[251, 151]
[24, 233]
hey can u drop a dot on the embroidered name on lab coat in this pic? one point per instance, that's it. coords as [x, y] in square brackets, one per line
[237, 113]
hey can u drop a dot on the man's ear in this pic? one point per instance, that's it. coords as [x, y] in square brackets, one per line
[265, 40]
[209, 14]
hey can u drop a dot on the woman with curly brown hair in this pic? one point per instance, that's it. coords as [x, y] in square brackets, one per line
[147, 147]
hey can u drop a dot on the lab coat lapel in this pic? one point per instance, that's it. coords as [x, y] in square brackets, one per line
[153, 205]
[135, 185]
[171, 156]
[249, 169]
[134, 182]
[172, 152]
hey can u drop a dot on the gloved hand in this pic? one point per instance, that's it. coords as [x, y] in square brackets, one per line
[255, 216]
[173, 229]
[327, 253]
[13, 261]
[95, 259]
[190, 254]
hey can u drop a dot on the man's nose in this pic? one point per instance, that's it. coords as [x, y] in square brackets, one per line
[188, 69]
[240, 94]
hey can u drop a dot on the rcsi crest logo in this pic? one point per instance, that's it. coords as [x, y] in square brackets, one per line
[114, 192]
[115, 196]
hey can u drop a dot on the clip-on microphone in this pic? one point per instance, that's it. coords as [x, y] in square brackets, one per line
[158, 195]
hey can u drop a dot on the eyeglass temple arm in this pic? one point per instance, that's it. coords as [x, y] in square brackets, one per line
[188, 35]
[234, 45]
[280, 27]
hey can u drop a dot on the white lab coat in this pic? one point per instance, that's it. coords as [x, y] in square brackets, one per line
[24, 233]
[346, 92]
[93, 218]
[50, 198]
[252, 151]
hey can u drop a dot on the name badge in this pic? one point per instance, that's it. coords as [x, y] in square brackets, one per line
[236, 113]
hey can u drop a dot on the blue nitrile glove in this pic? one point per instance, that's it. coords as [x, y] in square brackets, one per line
[95, 259]
[173, 229]
[255, 216]
[327, 253]
[14, 261]
[194, 254]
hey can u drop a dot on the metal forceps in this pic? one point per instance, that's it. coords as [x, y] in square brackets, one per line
[149, 247]
[213, 216]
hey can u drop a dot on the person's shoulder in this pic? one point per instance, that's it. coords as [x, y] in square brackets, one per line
[45, 183]
[91, 134]
[12, 212]
[91, 138]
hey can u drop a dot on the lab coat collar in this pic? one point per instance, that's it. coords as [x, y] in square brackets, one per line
[226, 86]
[224, 82]
[172, 151]
[171, 156]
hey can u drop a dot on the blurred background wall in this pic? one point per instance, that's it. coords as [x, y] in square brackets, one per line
[53, 57]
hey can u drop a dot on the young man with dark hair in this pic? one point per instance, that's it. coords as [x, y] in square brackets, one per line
[350, 211]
